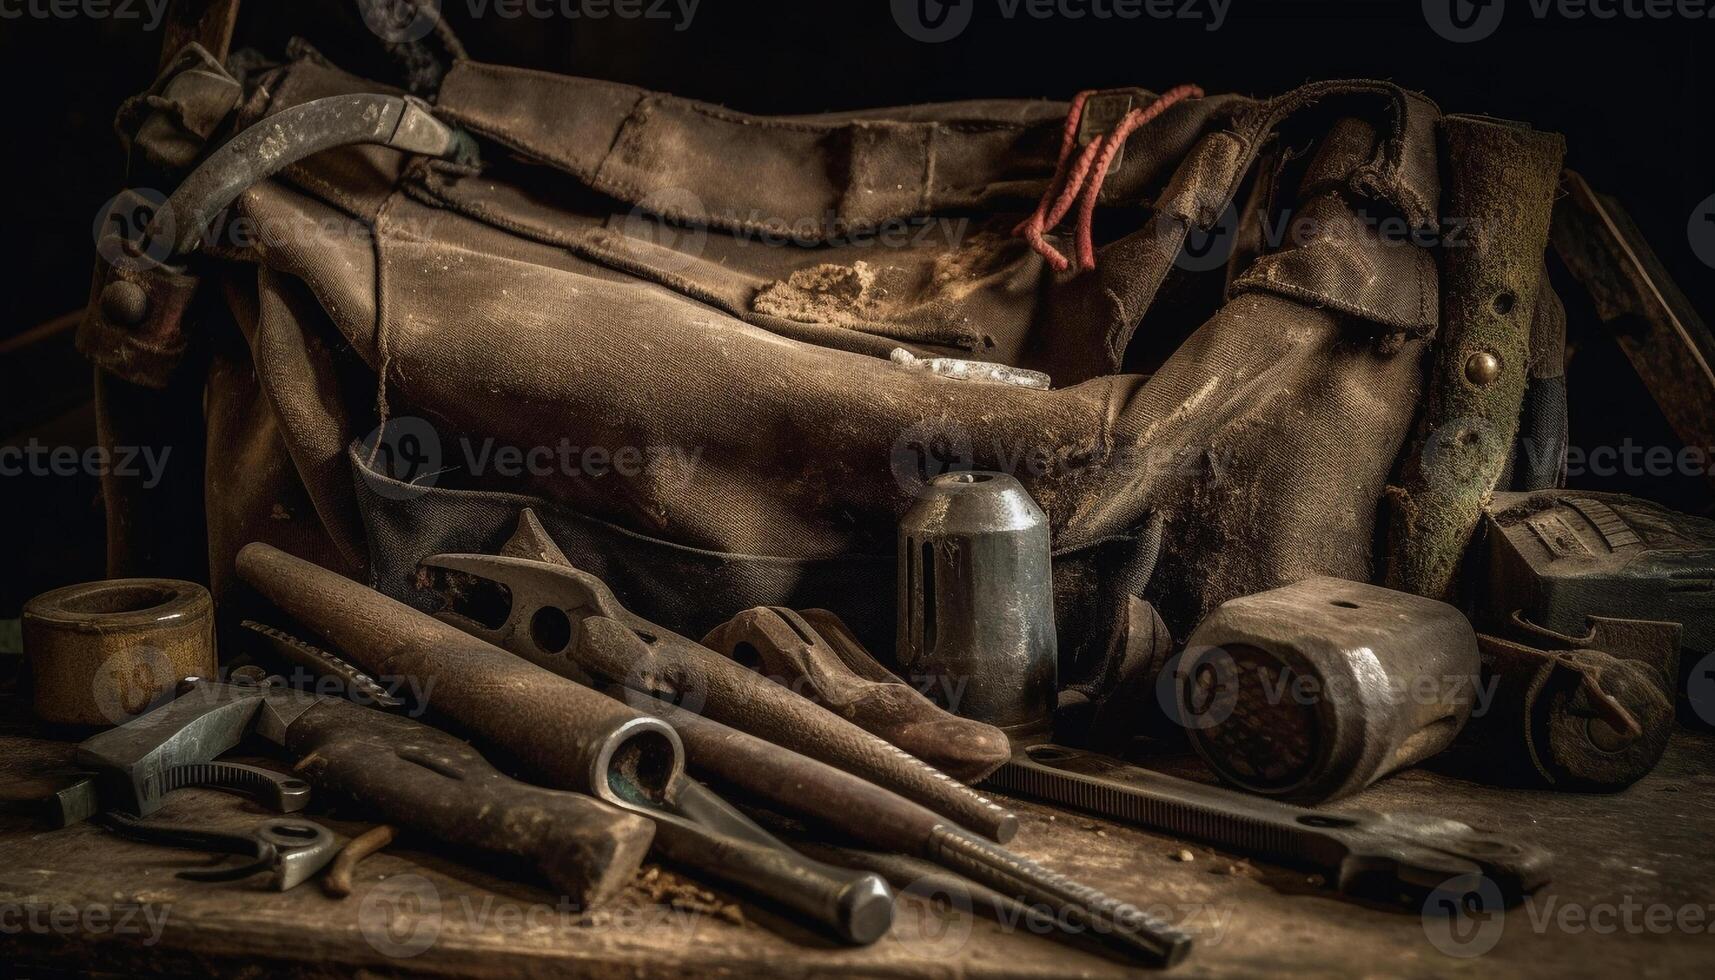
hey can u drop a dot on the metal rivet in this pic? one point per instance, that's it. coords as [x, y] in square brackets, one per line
[124, 303]
[1482, 368]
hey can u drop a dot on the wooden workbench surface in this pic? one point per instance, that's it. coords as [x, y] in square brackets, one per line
[1633, 894]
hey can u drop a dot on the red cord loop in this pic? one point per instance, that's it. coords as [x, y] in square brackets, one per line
[1080, 180]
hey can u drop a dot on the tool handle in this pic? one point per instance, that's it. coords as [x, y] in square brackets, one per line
[424, 779]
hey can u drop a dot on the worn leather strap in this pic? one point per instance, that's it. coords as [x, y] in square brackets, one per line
[1503, 179]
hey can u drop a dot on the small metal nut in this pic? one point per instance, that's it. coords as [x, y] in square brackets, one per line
[124, 302]
[1482, 368]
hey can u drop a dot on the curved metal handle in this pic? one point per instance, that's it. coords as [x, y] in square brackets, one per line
[284, 138]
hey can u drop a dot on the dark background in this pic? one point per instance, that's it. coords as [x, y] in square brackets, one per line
[1632, 97]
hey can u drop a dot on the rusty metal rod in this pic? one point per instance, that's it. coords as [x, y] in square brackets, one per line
[573, 737]
[661, 663]
[337, 882]
[838, 800]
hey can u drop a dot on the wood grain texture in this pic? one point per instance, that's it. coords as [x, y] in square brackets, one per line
[1646, 847]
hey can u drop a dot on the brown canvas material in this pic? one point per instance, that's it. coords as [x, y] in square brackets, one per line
[629, 271]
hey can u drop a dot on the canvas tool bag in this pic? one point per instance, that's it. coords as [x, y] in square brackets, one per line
[1285, 337]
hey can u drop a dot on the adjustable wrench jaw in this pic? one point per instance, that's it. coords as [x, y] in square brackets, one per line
[132, 768]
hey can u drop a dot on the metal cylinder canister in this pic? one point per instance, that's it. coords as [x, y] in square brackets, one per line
[976, 602]
[1318, 689]
[102, 653]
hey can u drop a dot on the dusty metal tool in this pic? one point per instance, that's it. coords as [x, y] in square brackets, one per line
[280, 140]
[976, 601]
[430, 782]
[1317, 689]
[837, 800]
[815, 655]
[572, 736]
[920, 878]
[291, 851]
[1559, 557]
[637, 765]
[359, 686]
[1668, 344]
[547, 606]
[696, 828]
[693, 827]
[337, 882]
[1591, 712]
[131, 769]
[103, 652]
[1380, 855]
[417, 776]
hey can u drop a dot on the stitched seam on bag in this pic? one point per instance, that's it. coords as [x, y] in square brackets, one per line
[1325, 301]
[1430, 317]
[504, 73]
[589, 245]
[507, 72]
[627, 133]
[584, 244]
[506, 140]
[926, 184]
[383, 336]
